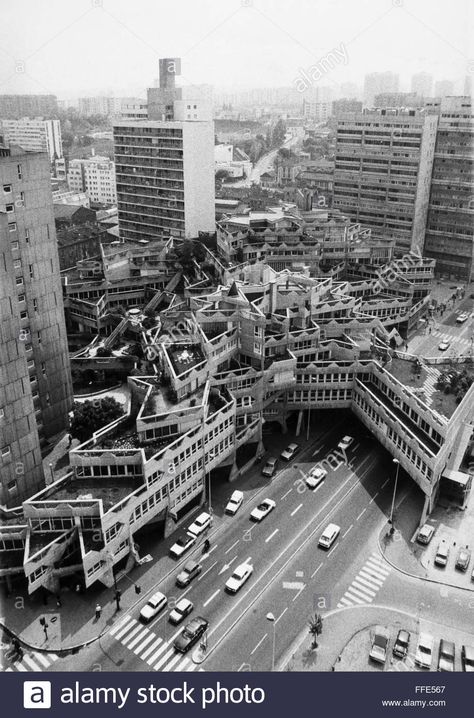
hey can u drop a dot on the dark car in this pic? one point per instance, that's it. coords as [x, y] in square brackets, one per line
[463, 559]
[446, 655]
[400, 647]
[190, 570]
[190, 634]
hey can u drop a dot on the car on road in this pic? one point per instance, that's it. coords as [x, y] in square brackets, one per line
[234, 503]
[345, 443]
[402, 641]
[461, 318]
[241, 574]
[183, 544]
[329, 535]
[442, 554]
[444, 345]
[262, 510]
[424, 650]
[315, 477]
[447, 652]
[153, 607]
[467, 658]
[378, 650]
[290, 452]
[200, 524]
[463, 559]
[270, 466]
[190, 634]
[191, 569]
[182, 609]
[425, 534]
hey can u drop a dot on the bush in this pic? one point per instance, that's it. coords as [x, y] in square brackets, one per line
[89, 416]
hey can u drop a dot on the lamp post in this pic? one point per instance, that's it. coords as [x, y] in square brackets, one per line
[395, 461]
[271, 618]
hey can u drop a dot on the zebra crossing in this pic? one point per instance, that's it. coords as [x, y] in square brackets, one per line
[32, 661]
[443, 336]
[367, 583]
[156, 652]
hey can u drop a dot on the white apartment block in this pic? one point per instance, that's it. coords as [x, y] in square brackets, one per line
[94, 176]
[34, 135]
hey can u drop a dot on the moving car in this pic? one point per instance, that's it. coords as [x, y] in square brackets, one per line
[289, 452]
[190, 570]
[378, 651]
[444, 345]
[425, 534]
[241, 574]
[262, 510]
[182, 545]
[442, 553]
[270, 466]
[467, 658]
[402, 641]
[200, 524]
[234, 503]
[462, 318]
[463, 559]
[447, 653]
[424, 650]
[190, 634]
[315, 477]
[329, 535]
[345, 442]
[182, 609]
[153, 606]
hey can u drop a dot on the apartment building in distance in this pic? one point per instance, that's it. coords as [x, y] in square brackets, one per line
[168, 102]
[95, 176]
[377, 82]
[33, 135]
[382, 176]
[13, 107]
[344, 105]
[450, 228]
[35, 383]
[422, 84]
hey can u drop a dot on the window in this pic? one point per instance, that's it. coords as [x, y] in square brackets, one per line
[5, 451]
[27, 235]
[31, 364]
[17, 263]
[21, 297]
[12, 226]
[35, 305]
[19, 281]
[2, 413]
[9, 208]
[23, 315]
[31, 271]
[11, 486]
[20, 173]
[15, 245]
[7, 188]
[32, 378]
[39, 337]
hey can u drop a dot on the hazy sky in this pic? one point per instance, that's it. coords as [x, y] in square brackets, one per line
[76, 47]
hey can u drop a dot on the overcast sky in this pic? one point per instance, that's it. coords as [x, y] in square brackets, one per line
[77, 47]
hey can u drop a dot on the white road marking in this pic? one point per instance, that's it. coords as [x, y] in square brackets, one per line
[258, 644]
[120, 624]
[353, 598]
[30, 663]
[163, 659]
[346, 532]
[301, 589]
[316, 571]
[173, 661]
[143, 644]
[358, 584]
[365, 597]
[385, 483]
[137, 639]
[126, 628]
[231, 547]
[271, 535]
[367, 573]
[125, 640]
[150, 649]
[281, 614]
[157, 653]
[42, 659]
[296, 510]
[361, 513]
[333, 549]
[288, 492]
[209, 569]
[293, 585]
[183, 663]
[344, 602]
[211, 598]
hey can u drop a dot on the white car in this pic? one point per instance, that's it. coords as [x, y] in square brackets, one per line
[329, 535]
[289, 452]
[182, 609]
[425, 534]
[263, 509]
[345, 442]
[241, 574]
[200, 524]
[424, 650]
[182, 545]
[315, 477]
[152, 608]
[462, 318]
[444, 345]
[234, 503]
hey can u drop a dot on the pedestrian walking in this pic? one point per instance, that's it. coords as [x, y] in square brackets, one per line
[98, 611]
[430, 330]
[58, 602]
[70, 440]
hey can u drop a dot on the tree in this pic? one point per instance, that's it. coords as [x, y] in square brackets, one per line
[278, 134]
[89, 416]
[315, 628]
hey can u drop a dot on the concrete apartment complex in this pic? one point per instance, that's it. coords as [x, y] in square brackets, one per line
[33, 135]
[14, 107]
[382, 175]
[95, 176]
[35, 385]
[449, 233]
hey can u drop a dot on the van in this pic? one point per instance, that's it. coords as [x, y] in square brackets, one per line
[329, 535]
[441, 558]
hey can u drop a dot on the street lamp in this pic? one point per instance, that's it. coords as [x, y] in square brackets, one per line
[271, 618]
[395, 461]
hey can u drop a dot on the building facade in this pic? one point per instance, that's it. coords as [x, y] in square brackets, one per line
[34, 135]
[14, 107]
[94, 176]
[377, 82]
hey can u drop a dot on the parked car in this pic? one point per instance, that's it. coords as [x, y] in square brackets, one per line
[461, 318]
[190, 570]
[182, 609]
[315, 477]
[153, 607]
[467, 658]
[190, 634]
[234, 503]
[290, 452]
[444, 345]
[241, 574]
[446, 655]
[402, 641]
[345, 443]
[183, 544]
[425, 534]
[262, 510]
[329, 535]
[378, 650]
[442, 553]
[200, 524]
[270, 466]
[424, 650]
[463, 559]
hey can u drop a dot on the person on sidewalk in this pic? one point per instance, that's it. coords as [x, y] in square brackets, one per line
[98, 611]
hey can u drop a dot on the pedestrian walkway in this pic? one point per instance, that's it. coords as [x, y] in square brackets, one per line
[158, 653]
[32, 661]
[367, 583]
[429, 386]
